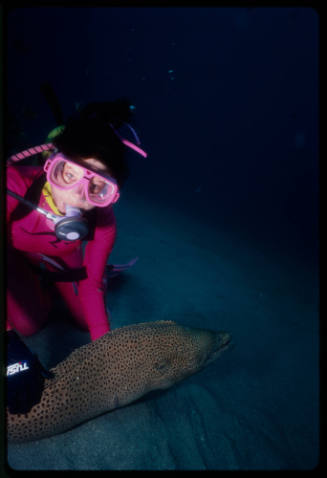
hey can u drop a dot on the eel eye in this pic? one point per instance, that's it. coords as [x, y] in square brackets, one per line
[162, 365]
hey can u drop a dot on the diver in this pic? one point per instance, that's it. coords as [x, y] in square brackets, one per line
[61, 230]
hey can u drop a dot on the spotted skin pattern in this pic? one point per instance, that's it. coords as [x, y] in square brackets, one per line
[113, 371]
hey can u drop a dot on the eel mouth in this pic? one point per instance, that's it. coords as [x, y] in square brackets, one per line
[222, 342]
[225, 340]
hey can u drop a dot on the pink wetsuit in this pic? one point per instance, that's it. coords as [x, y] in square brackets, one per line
[32, 237]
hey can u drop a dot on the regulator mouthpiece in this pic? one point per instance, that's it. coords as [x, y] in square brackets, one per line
[73, 226]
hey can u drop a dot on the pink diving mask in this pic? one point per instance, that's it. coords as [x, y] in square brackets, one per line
[99, 188]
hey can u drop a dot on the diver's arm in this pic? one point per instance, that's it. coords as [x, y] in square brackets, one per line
[92, 289]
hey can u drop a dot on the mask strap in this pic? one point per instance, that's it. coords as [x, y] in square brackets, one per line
[47, 146]
[29, 152]
[137, 139]
[129, 144]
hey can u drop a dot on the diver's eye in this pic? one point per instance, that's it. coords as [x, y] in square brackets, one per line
[68, 177]
[71, 174]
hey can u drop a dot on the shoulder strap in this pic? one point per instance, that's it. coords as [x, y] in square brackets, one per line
[33, 194]
[91, 220]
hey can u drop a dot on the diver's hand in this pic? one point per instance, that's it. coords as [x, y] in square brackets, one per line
[25, 376]
[113, 270]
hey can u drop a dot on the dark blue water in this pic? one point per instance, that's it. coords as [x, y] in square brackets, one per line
[223, 214]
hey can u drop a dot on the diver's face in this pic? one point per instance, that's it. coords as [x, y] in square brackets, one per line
[76, 196]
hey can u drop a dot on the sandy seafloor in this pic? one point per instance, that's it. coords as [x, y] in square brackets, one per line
[257, 407]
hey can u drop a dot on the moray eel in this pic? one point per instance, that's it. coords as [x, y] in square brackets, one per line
[113, 371]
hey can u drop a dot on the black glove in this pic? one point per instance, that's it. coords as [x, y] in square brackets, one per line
[25, 376]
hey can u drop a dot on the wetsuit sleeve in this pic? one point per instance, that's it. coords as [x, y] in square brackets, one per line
[91, 290]
[25, 375]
